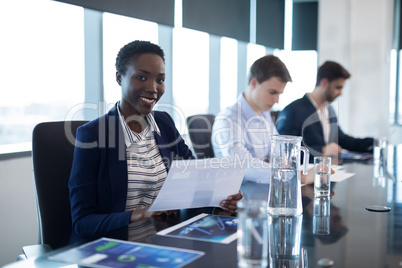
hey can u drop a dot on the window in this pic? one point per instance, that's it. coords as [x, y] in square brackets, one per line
[395, 101]
[41, 67]
[254, 52]
[228, 72]
[118, 31]
[190, 74]
[49, 82]
[302, 66]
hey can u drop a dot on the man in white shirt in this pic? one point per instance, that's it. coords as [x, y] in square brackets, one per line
[243, 130]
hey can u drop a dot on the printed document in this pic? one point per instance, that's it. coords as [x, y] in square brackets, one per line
[199, 183]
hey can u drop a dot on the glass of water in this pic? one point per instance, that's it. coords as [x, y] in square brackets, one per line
[322, 176]
[252, 233]
[380, 150]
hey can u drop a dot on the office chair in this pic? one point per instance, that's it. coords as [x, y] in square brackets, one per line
[274, 116]
[200, 130]
[52, 156]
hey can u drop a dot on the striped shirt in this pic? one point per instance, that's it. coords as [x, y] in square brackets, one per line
[139, 231]
[146, 170]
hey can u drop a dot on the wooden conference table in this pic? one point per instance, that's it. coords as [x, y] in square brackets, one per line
[358, 237]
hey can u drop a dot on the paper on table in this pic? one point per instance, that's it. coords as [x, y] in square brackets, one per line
[340, 176]
[337, 168]
[340, 173]
[199, 183]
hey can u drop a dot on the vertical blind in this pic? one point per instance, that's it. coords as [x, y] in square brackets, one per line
[305, 25]
[270, 29]
[230, 18]
[160, 11]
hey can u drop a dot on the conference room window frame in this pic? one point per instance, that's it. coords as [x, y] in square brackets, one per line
[94, 85]
[396, 69]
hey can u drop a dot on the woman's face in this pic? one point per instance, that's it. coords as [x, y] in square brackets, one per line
[143, 84]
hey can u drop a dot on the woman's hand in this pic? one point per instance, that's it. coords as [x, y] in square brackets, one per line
[167, 213]
[139, 214]
[230, 204]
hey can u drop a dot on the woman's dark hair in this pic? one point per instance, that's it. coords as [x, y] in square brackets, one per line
[332, 71]
[269, 66]
[134, 49]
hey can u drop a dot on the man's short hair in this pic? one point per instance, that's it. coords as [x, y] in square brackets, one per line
[332, 71]
[134, 49]
[269, 66]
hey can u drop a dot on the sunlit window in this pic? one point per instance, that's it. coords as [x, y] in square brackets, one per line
[41, 66]
[228, 71]
[254, 52]
[45, 40]
[190, 74]
[392, 91]
[302, 66]
[395, 95]
[399, 100]
[118, 31]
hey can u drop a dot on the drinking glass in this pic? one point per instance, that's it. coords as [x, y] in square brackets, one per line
[380, 150]
[322, 176]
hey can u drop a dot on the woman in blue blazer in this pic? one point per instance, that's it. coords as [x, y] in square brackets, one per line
[111, 184]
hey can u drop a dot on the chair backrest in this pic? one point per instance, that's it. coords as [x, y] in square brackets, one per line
[200, 130]
[52, 156]
[274, 115]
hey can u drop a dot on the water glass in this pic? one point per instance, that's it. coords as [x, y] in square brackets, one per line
[321, 218]
[380, 150]
[252, 233]
[322, 176]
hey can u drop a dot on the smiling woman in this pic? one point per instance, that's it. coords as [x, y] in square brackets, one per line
[115, 181]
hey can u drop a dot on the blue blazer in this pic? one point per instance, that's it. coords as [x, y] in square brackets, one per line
[98, 179]
[300, 118]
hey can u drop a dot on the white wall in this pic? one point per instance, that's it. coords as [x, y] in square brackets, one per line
[17, 208]
[358, 34]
